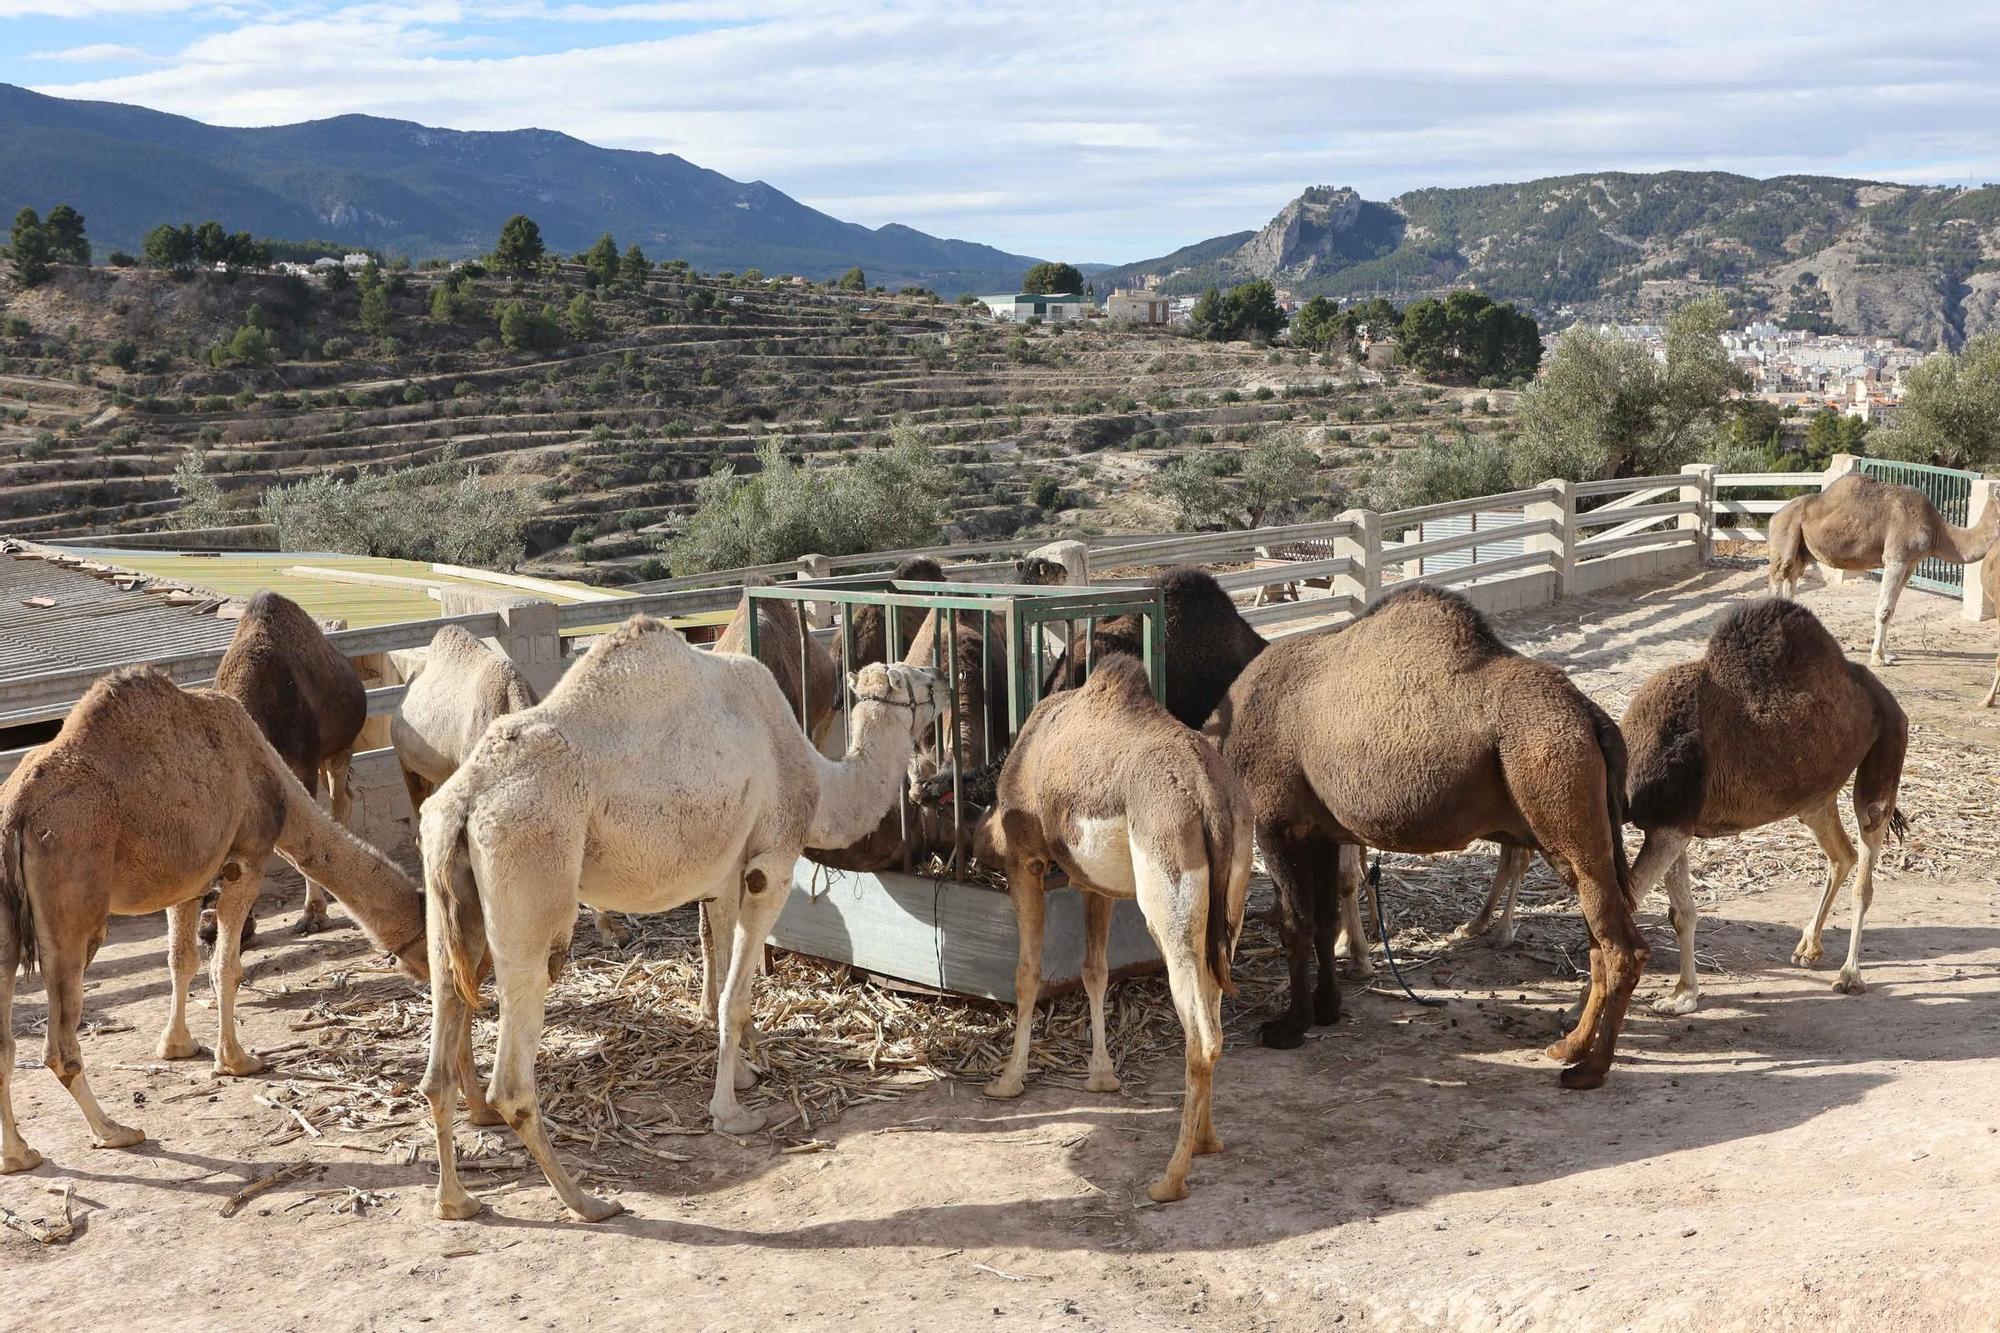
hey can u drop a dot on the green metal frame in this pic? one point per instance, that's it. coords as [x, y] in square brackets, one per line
[1950, 489]
[1024, 610]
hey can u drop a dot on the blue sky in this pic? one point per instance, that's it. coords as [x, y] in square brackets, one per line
[1088, 131]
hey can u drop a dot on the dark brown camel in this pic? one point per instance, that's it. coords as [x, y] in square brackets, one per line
[806, 672]
[871, 642]
[1769, 724]
[1415, 729]
[308, 701]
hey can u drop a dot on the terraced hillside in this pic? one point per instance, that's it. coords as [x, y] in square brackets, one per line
[109, 377]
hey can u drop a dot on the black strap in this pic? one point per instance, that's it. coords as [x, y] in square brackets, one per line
[1382, 928]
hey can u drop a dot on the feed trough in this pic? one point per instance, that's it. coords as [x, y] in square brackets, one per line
[934, 916]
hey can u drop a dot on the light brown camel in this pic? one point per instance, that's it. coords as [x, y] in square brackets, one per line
[652, 776]
[1860, 523]
[309, 702]
[1769, 724]
[147, 796]
[1989, 578]
[1106, 786]
[1415, 729]
[805, 670]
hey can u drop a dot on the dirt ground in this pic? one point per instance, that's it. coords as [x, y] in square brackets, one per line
[1785, 1158]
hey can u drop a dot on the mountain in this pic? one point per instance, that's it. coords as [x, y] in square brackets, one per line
[415, 190]
[1917, 263]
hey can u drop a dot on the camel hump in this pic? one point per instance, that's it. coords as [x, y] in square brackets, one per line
[919, 569]
[1120, 676]
[281, 613]
[1193, 589]
[1435, 618]
[141, 695]
[1768, 640]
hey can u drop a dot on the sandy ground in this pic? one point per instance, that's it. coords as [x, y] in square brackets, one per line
[1786, 1158]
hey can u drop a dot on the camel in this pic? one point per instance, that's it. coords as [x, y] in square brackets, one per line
[1859, 523]
[653, 775]
[1770, 723]
[308, 701]
[447, 705]
[1206, 643]
[871, 640]
[1415, 729]
[1106, 785]
[805, 670]
[147, 796]
[1989, 577]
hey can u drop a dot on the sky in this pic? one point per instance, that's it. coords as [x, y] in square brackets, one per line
[1085, 131]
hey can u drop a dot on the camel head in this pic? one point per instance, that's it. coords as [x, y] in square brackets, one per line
[919, 693]
[1040, 571]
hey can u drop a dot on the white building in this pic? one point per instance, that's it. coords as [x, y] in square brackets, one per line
[1140, 305]
[1053, 308]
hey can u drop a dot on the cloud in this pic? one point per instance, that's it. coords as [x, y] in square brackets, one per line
[100, 53]
[1119, 129]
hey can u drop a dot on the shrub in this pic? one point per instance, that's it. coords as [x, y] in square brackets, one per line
[437, 511]
[1438, 470]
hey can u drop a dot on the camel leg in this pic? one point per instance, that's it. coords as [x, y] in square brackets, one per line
[717, 925]
[1097, 911]
[225, 968]
[62, 981]
[1326, 889]
[333, 778]
[478, 1109]
[1288, 860]
[1849, 982]
[1353, 925]
[1895, 574]
[611, 930]
[450, 1060]
[1168, 897]
[1618, 956]
[183, 921]
[1993, 690]
[1024, 885]
[1507, 876]
[419, 789]
[765, 882]
[15, 1154]
[1824, 821]
[1662, 861]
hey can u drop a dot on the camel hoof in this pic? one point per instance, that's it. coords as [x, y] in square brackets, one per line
[1567, 1051]
[1675, 1003]
[1280, 1035]
[1471, 930]
[1502, 937]
[25, 1160]
[485, 1115]
[593, 1209]
[612, 933]
[1102, 1080]
[1849, 983]
[121, 1136]
[457, 1210]
[177, 1048]
[742, 1120]
[746, 1077]
[1165, 1191]
[1807, 955]
[312, 923]
[1581, 1078]
[241, 1065]
[1004, 1088]
[1211, 1144]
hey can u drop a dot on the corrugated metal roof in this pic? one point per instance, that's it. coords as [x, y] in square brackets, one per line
[92, 622]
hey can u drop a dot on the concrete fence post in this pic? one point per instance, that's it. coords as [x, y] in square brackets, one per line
[1073, 556]
[1977, 605]
[1560, 511]
[529, 631]
[1362, 545]
[1700, 488]
[1837, 467]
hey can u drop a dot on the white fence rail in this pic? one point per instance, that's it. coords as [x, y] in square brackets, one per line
[1304, 578]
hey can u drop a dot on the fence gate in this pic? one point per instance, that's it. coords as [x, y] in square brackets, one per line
[1951, 491]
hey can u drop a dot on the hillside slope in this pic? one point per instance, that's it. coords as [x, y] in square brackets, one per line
[1918, 263]
[412, 189]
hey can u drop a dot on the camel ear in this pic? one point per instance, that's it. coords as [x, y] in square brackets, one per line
[853, 683]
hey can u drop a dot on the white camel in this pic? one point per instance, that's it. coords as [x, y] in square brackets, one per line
[652, 776]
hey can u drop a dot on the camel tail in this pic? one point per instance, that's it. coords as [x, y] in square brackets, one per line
[453, 894]
[1611, 742]
[17, 907]
[1786, 546]
[1218, 842]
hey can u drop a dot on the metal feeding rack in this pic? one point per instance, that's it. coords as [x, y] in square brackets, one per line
[942, 927]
